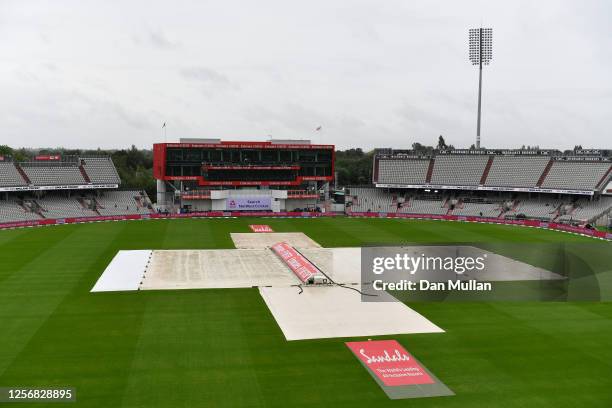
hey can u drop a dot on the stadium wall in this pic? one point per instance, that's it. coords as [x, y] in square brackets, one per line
[225, 214]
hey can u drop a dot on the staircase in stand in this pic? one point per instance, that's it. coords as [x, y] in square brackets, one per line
[557, 212]
[32, 208]
[375, 170]
[96, 205]
[84, 174]
[545, 173]
[603, 179]
[38, 209]
[23, 175]
[485, 173]
[430, 170]
[86, 206]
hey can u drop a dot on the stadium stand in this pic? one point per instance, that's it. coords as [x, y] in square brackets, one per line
[70, 171]
[53, 174]
[420, 206]
[461, 170]
[575, 175]
[14, 210]
[478, 209]
[585, 211]
[56, 206]
[543, 210]
[70, 187]
[516, 171]
[122, 202]
[406, 171]
[9, 175]
[100, 170]
[494, 172]
[546, 208]
[369, 199]
[542, 185]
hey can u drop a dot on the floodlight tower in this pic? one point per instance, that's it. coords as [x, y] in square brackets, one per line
[481, 53]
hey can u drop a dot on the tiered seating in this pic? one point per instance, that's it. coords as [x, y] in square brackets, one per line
[459, 170]
[58, 206]
[62, 207]
[516, 171]
[120, 203]
[9, 176]
[562, 210]
[587, 210]
[425, 207]
[478, 209]
[545, 210]
[506, 171]
[53, 175]
[370, 199]
[404, 171]
[10, 210]
[575, 175]
[96, 170]
[100, 170]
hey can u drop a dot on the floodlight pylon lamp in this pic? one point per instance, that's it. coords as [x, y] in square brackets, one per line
[480, 53]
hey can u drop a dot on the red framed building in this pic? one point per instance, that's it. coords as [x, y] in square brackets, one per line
[193, 168]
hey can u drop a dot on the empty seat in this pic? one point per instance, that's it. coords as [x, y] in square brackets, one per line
[11, 210]
[516, 171]
[575, 175]
[9, 176]
[402, 171]
[122, 203]
[458, 170]
[100, 170]
[53, 174]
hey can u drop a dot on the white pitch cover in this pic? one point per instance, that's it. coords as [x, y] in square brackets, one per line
[124, 272]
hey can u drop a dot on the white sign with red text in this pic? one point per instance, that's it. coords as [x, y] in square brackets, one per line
[260, 228]
[301, 267]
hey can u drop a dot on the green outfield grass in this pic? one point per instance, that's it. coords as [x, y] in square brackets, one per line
[223, 348]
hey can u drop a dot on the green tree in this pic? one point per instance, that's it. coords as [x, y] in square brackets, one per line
[6, 150]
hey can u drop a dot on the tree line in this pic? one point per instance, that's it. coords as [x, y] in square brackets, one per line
[135, 166]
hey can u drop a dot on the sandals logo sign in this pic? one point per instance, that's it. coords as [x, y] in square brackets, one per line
[396, 371]
[390, 362]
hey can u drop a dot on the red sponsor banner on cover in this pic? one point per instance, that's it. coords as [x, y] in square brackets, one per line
[260, 228]
[390, 362]
[300, 266]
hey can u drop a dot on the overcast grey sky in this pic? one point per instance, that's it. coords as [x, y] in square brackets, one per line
[372, 73]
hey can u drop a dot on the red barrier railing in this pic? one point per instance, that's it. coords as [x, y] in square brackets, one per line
[218, 214]
[526, 223]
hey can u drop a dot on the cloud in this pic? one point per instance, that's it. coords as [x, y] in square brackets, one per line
[371, 74]
[204, 75]
[160, 40]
